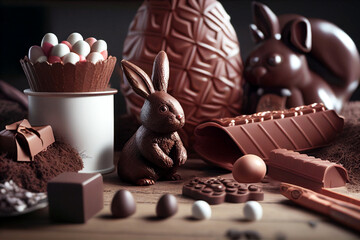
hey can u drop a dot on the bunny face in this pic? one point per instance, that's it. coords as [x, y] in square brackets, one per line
[273, 64]
[162, 113]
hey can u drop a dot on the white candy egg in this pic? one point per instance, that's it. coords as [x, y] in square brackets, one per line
[50, 38]
[35, 52]
[41, 59]
[90, 41]
[99, 46]
[60, 50]
[71, 57]
[253, 211]
[201, 210]
[82, 48]
[94, 57]
[74, 38]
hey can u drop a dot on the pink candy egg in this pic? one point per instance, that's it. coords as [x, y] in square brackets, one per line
[71, 57]
[54, 59]
[90, 41]
[60, 50]
[82, 58]
[82, 48]
[36, 54]
[67, 44]
[99, 46]
[94, 57]
[74, 38]
[48, 41]
[104, 54]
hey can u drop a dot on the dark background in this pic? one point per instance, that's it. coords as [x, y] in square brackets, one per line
[23, 24]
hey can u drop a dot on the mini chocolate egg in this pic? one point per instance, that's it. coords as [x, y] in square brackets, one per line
[253, 211]
[90, 41]
[94, 57]
[74, 38]
[82, 48]
[167, 206]
[99, 46]
[60, 50]
[71, 57]
[201, 210]
[248, 169]
[123, 204]
[36, 54]
[49, 38]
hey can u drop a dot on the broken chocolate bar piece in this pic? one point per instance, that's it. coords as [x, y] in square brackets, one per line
[305, 171]
[219, 190]
[222, 141]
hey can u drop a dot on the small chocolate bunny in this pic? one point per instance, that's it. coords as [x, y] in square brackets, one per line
[155, 151]
[302, 60]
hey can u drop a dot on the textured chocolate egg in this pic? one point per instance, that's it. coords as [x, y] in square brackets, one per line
[167, 206]
[204, 55]
[123, 204]
[249, 169]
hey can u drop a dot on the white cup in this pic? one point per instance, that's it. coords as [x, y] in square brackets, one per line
[85, 120]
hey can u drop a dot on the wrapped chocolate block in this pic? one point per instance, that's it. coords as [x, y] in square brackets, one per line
[22, 142]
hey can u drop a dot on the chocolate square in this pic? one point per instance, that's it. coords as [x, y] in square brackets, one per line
[75, 197]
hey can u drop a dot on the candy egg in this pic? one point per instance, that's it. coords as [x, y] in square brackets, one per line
[41, 59]
[67, 44]
[90, 41]
[123, 204]
[94, 57]
[167, 206]
[104, 54]
[54, 59]
[99, 46]
[71, 57]
[248, 169]
[74, 38]
[50, 38]
[201, 210]
[60, 50]
[35, 52]
[253, 211]
[81, 47]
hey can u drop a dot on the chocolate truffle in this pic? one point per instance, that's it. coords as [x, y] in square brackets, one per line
[75, 197]
[249, 168]
[123, 204]
[167, 206]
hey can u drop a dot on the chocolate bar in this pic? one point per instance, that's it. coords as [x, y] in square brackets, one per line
[219, 190]
[305, 171]
[222, 141]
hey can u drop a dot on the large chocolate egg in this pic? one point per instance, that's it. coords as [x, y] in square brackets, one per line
[204, 55]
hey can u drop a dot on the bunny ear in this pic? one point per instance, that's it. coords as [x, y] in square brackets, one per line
[256, 34]
[160, 73]
[266, 20]
[138, 79]
[300, 34]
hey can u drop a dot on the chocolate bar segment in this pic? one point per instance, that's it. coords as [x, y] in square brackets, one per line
[223, 141]
[218, 190]
[305, 171]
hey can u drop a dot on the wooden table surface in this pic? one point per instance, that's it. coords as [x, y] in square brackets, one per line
[281, 218]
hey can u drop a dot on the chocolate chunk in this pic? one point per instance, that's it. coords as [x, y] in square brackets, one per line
[123, 204]
[167, 206]
[75, 197]
[230, 191]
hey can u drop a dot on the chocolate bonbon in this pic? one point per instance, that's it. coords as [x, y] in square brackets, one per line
[75, 197]
[306, 171]
[204, 54]
[167, 206]
[155, 150]
[222, 141]
[312, 58]
[123, 204]
[219, 190]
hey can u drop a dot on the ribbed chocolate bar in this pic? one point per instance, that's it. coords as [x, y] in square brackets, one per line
[223, 141]
[305, 171]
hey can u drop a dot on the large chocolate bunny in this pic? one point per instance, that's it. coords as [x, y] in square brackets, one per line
[155, 151]
[293, 57]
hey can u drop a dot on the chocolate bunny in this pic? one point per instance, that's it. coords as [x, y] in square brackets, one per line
[283, 61]
[155, 150]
